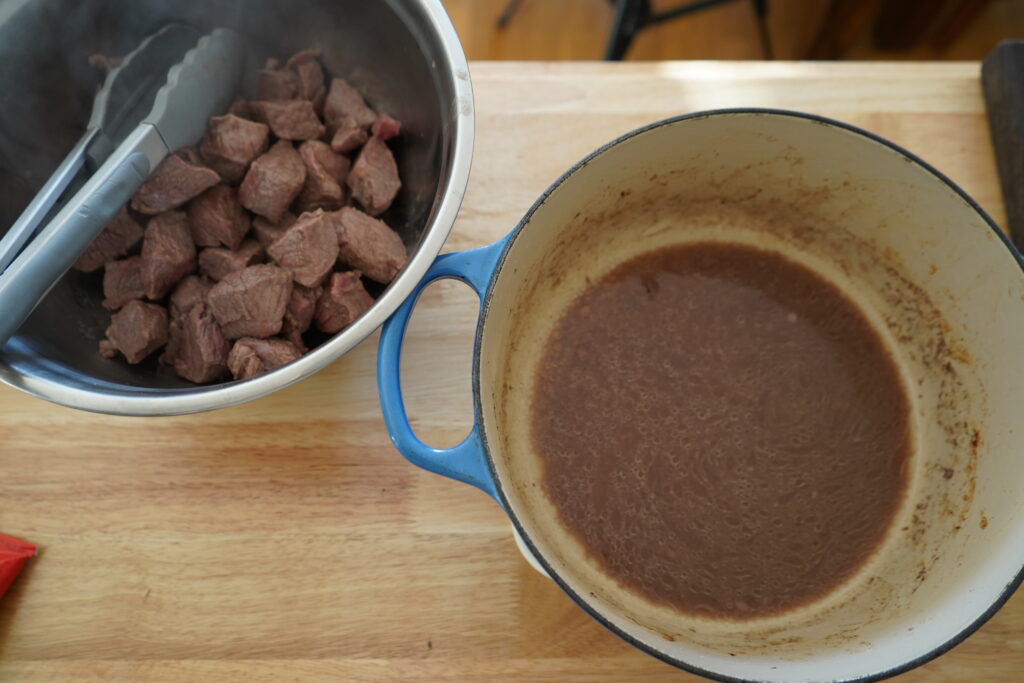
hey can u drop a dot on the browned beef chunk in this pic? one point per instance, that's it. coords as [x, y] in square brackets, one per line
[232, 143]
[308, 248]
[335, 165]
[202, 352]
[189, 292]
[242, 109]
[307, 68]
[216, 262]
[374, 177]
[369, 245]
[107, 349]
[277, 84]
[273, 182]
[168, 253]
[192, 156]
[122, 282]
[119, 236]
[386, 127]
[344, 299]
[137, 330]
[299, 314]
[309, 54]
[173, 346]
[344, 100]
[251, 302]
[217, 218]
[311, 84]
[325, 177]
[171, 184]
[348, 137]
[266, 232]
[301, 57]
[250, 356]
[290, 119]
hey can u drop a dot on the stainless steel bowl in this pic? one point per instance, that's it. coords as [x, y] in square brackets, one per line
[403, 54]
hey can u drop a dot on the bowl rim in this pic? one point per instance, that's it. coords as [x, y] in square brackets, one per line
[1001, 599]
[110, 398]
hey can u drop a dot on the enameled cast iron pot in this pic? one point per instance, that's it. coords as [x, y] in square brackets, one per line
[941, 284]
[404, 56]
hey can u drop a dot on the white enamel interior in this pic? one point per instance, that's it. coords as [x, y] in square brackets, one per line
[943, 290]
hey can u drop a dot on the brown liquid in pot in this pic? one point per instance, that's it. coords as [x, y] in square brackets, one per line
[722, 429]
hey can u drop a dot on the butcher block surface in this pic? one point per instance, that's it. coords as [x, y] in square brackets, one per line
[286, 539]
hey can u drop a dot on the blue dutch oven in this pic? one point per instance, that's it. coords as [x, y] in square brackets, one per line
[921, 258]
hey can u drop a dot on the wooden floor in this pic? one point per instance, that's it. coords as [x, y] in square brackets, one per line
[578, 29]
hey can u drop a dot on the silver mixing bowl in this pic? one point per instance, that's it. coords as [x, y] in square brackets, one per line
[403, 54]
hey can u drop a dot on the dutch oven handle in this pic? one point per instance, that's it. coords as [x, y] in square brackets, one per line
[465, 462]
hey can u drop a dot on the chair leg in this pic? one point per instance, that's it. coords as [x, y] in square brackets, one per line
[506, 14]
[761, 10]
[630, 16]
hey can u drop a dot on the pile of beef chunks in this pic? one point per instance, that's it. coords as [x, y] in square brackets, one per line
[266, 230]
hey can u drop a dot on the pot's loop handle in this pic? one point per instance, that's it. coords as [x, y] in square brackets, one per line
[465, 462]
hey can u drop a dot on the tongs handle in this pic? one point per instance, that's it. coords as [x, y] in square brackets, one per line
[42, 204]
[36, 269]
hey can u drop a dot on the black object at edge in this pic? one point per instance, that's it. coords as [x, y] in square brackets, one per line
[1002, 80]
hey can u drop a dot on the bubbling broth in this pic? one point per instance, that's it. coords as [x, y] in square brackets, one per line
[722, 429]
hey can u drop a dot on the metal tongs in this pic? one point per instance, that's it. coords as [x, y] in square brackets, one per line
[155, 102]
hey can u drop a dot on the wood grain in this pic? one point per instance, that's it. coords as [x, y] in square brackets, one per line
[286, 539]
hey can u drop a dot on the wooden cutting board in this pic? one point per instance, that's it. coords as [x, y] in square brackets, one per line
[285, 539]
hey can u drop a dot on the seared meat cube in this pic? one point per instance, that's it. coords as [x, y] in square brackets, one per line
[251, 302]
[277, 84]
[119, 237]
[189, 292]
[334, 164]
[168, 253]
[232, 143]
[369, 245]
[136, 331]
[348, 136]
[174, 182]
[325, 177]
[122, 282]
[308, 248]
[374, 177]
[307, 68]
[216, 262]
[290, 119]
[217, 218]
[344, 100]
[191, 155]
[386, 127]
[344, 299]
[242, 109]
[273, 182]
[266, 232]
[173, 346]
[302, 56]
[201, 352]
[299, 314]
[250, 356]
